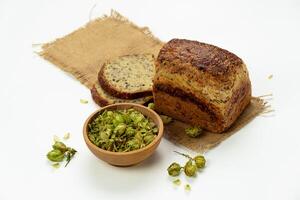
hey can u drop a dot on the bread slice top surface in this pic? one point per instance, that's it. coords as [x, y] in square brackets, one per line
[128, 76]
[205, 57]
[102, 98]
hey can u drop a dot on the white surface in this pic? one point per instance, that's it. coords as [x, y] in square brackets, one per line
[38, 100]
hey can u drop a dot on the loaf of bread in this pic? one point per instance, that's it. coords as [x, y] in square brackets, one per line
[200, 84]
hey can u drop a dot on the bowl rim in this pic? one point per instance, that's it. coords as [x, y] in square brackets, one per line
[95, 147]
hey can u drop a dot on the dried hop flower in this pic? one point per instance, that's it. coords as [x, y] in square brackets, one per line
[174, 169]
[55, 155]
[190, 169]
[193, 131]
[151, 106]
[200, 161]
[60, 146]
[149, 138]
[166, 119]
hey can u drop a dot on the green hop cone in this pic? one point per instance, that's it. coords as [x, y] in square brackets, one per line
[60, 146]
[109, 113]
[190, 169]
[193, 131]
[174, 169]
[120, 128]
[149, 138]
[104, 135]
[55, 155]
[139, 136]
[151, 106]
[166, 119]
[200, 161]
[133, 144]
[137, 118]
[118, 120]
[130, 131]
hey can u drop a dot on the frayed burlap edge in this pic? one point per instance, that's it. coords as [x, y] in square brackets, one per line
[73, 70]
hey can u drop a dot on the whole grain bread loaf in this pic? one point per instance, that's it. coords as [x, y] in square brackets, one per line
[128, 77]
[200, 84]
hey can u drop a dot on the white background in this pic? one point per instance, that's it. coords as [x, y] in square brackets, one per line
[38, 100]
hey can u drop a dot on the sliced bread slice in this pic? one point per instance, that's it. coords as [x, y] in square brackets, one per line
[102, 98]
[128, 77]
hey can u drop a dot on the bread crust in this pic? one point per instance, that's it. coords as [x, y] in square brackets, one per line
[97, 98]
[201, 84]
[185, 107]
[102, 101]
[205, 57]
[116, 93]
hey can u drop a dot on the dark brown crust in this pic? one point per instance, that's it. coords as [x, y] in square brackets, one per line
[205, 57]
[185, 111]
[97, 98]
[238, 103]
[114, 92]
[176, 92]
[181, 105]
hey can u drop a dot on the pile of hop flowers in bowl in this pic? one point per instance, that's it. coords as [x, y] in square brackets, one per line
[123, 134]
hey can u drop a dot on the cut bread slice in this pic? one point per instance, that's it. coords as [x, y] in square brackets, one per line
[102, 98]
[128, 77]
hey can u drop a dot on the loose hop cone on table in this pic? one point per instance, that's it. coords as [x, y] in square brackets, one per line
[84, 51]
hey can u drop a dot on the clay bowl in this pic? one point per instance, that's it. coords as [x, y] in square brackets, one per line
[131, 157]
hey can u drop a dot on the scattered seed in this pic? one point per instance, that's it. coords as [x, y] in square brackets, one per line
[83, 101]
[270, 76]
[177, 182]
[187, 187]
[56, 165]
[56, 138]
[66, 136]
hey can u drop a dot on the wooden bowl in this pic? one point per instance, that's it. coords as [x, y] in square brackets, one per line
[131, 157]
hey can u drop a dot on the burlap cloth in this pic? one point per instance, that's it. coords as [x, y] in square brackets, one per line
[82, 52]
